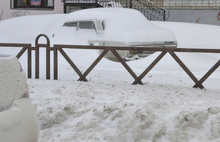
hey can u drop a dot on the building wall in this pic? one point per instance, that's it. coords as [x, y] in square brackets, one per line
[188, 4]
[195, 16]
[192, 11]
[6, 12]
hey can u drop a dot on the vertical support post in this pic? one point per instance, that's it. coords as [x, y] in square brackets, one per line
[29, 61]
[36, 62]
[55, 63]
[47, 62]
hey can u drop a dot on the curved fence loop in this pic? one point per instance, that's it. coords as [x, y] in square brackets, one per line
[37, 55]
[42, 35]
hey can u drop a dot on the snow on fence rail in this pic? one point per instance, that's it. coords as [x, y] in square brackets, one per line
[137, 79]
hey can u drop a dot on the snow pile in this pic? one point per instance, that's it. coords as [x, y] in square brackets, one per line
[18, 120]
[79, 111]
[12, 82]
[19, 123]
[24, 29]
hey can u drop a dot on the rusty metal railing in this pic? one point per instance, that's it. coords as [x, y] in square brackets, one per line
[82, 76]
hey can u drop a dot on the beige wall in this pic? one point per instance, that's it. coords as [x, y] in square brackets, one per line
[6, 12]
[211, 17]
[188, 4]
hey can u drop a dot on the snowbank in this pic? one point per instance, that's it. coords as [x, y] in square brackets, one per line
[100, 111]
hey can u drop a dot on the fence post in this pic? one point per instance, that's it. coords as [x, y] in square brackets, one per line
[37, 46]
[29, 61]
[48, 62]
[55, 63]
[36, 62]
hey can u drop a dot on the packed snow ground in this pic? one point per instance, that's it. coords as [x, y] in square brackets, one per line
[108, 108]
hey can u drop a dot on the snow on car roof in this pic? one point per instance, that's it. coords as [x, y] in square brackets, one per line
[128, 25]
[121, 24]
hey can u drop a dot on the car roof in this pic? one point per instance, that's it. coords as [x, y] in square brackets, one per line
[118, 23]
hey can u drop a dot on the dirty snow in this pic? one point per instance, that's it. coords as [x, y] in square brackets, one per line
[108, 108]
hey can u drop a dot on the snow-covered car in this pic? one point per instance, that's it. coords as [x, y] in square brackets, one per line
[110, 27]
[98, 27]
[18, 120]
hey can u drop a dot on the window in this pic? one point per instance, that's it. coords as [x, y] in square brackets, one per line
[32, 4]
[81, 25]
[86, 25]
[70, 24]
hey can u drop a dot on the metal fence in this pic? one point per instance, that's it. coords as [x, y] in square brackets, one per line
[82, 76]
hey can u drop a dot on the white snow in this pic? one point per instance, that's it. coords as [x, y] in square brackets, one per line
[19, 123]
[108, 108]
[13, 84]
[116, 21]
[18, 120]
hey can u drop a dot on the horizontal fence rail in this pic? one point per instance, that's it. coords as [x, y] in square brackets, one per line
[82, 76]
